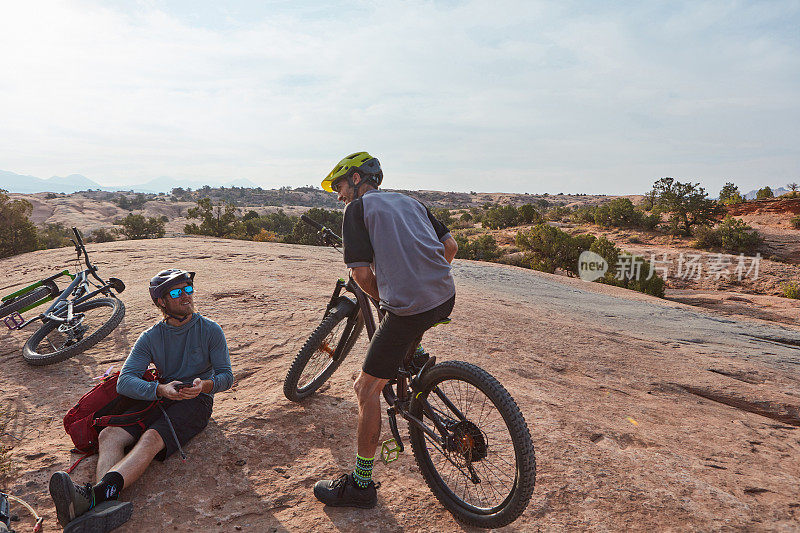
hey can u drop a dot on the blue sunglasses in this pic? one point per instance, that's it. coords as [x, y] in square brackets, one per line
[175, 293]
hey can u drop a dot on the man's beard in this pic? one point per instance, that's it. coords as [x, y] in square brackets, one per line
[180, 311]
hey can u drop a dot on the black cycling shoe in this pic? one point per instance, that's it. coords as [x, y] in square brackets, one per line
[343, 492]
[71, 500]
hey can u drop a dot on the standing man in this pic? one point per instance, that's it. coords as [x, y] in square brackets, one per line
[192, 358]
[399, 254]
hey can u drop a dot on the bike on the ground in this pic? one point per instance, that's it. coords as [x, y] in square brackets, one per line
[468, 436]
[75, 321]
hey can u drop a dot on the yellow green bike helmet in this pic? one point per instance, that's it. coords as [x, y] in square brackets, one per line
[369, 167]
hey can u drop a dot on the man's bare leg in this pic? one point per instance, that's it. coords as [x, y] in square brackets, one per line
[112, 442]
[133, 465]
[368, 390]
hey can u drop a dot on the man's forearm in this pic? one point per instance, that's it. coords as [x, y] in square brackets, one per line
[366, 280]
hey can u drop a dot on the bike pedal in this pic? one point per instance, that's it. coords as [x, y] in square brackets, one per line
[390, 451]
[13, 321]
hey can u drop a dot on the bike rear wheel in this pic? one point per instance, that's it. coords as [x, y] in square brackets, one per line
[21, 302]
[486, 472]
[56, 341]
[323, 352]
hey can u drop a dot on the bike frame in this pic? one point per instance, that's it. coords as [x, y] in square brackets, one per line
[79, 287]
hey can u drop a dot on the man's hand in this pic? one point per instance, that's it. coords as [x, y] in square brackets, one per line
[366, 280]
[450, 249]
[170, 390]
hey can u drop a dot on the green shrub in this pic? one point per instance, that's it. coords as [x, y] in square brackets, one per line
[477, 214]
[302, 233]
[653, 286]
[766, 192]
[102, 235]
[139, 227]
[650, 221]
[730, 195]
[279, 223]
[442, 215]
[584, 214]
[547, 248]
[500, 216]
[17, 232]
[54, 236]
[737, 237]
[217, 221]
[791, 290]
[466, 217]
[795, 221]
[686, 205]
[705, 237]
[483, 248]
[731, 235]
[557, 213]
[627, 270]
[618, 213]
[606, 249]
[528, 214]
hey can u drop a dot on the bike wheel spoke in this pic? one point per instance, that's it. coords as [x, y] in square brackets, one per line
[495, 466]
[322, 357]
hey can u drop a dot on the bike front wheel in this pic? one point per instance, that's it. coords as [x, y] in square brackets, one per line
[323, 352]
[485, 470]
[56, 341]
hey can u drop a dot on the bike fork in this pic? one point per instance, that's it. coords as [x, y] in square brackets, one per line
[392, 448]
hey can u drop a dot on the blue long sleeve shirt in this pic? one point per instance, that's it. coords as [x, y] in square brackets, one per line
[196, 349]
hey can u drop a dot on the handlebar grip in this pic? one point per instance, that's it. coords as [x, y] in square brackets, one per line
[311, 222]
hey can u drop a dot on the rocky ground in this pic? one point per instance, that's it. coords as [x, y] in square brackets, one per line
[645, 414]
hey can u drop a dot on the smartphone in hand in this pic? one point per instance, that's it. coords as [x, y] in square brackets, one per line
[184, 385]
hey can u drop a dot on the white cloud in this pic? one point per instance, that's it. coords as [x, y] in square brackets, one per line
[525, 96]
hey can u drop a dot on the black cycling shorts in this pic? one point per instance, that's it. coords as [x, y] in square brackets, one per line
[396, 335]
[188, 417]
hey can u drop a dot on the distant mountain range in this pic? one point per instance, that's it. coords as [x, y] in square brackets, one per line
[777, 192]
[13, 182]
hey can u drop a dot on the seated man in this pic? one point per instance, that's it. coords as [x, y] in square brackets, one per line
[192, 358]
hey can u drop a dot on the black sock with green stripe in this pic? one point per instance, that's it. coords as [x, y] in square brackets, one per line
[362, 475]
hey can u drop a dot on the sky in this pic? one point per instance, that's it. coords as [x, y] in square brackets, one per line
[512, 96]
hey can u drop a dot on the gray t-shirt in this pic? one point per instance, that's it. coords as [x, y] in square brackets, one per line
[402, 241]
[196, 349]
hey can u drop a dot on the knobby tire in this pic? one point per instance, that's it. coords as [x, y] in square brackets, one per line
[31, 349]
[23, 301]
[311, 348]
[516, 431]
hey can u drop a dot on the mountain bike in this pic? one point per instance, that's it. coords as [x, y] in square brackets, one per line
[75, 321]
[467, 434]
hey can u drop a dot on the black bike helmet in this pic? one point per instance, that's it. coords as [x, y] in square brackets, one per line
[165, 279]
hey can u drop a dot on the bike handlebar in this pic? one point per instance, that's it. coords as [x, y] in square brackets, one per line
[316, 225]
[81, 248]
[77, 236]
[327, 235]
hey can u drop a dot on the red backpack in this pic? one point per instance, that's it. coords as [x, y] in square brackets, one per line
[100, 408]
